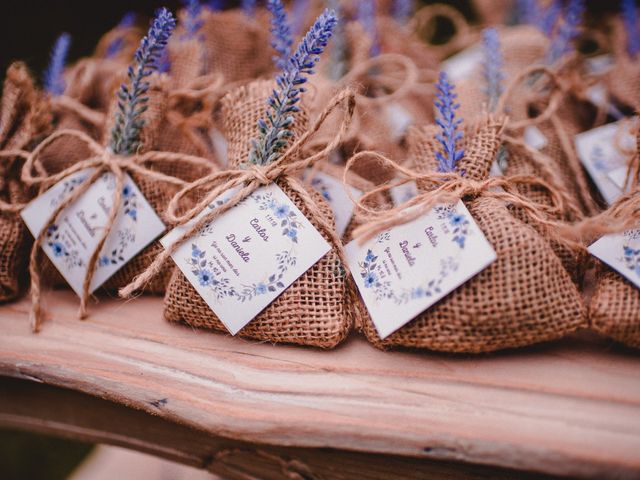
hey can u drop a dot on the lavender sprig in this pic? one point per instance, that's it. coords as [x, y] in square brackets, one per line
[548, 19]
[216, 5]
[54, 74]
[192, 20]
[299, 14]
[528, 11]
[567, 32]
[402, 10]
[492, 66]
[132, 99]
[249, 7]
[275, 130]
[630, 18]
[448, 123]
[127, 21]
[281, 38]
[367, 17]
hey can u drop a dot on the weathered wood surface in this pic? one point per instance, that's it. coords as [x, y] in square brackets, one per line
[568, 408]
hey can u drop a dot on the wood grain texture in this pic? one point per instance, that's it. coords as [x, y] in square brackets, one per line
[568, 408]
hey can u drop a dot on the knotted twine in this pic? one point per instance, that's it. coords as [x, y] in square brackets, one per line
[285, 169]
[103, 161]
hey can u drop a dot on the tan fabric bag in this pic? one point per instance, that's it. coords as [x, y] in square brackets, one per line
[24, 118]
[524, 297]
[314, 309]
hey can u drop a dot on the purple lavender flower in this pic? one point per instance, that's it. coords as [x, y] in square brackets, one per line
[249, 7]
[528, 11]
[448, 123]
[548, 19]
[567, 32]
[54, 74]
[281, 39]
[299, 14]
[127, 21]
[402, 10]
[630, 18]
[367, 17]
[492, 66]
[275, 131]
[125, 135]
[216, 5]
[192, 21]
[337, 54]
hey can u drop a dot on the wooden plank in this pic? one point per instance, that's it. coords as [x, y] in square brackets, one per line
[568, 408]
[52, 410]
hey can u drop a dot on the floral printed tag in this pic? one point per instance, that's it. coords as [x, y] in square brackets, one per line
[336, 195]
[598, 153]
[621, 252]
[70, 242]
[408, 268]
[248, 256]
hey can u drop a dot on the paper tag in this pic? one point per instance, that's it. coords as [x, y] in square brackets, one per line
[599, 155]
[621, 252]
[245, 258]
[534, 137]
[599, 64]
[336, 195]
[220, 146]
[461, 65]
[403, 193]
[619, 176]
[398, 119]
[71, 241]
[407, 269]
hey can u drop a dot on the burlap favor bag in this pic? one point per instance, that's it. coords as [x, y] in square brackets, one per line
[523, 297]
[314, 310]
[236, 46]
[623, 80]
[24, 118]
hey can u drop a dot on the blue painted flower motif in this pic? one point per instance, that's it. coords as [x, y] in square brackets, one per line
[133, 213]
[370, 256]
[204, 277]
[631, 258]
[281, 211]
[126, 191]
[275, 128]
[292, 234]
[104, 261]
[370, 279]
[450, 135]
[456, 219]
[58, 249]
[261, 289]
[196, 252]
[54, 74]
[133, 101]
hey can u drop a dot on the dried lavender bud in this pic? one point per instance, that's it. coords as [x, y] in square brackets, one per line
[450, 135]
[54, 74]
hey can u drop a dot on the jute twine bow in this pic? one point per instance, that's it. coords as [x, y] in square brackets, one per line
[284, 169]
[543, 162]
[102, 161]
[445, 188]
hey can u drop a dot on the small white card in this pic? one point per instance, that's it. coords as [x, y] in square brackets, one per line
[398, 119]
[408, 268]
[534, 137]
[621, 252]
[461, 65]
[337, 196]
[598, 153]
[403, 193]
[220, 146]
[619, 177]
[71, 241]
[248, 256]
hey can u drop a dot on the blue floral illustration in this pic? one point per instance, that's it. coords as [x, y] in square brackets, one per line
[54, 242]
[68, 186]
[321, 187]
[371, 279]
[631, 259]
[274, 282]
[130, 202]
[117, 255]
[430, 288]
[457, 221]
[288, 218]
[208, 274]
